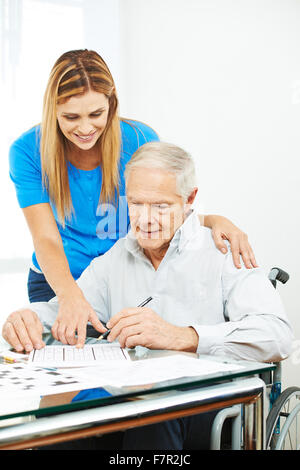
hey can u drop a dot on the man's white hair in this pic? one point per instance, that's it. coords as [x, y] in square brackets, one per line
[167, 157]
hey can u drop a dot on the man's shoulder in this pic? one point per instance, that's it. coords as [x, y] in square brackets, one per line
[112, 255]
[207, 241]
[201, 246]
[198, 234]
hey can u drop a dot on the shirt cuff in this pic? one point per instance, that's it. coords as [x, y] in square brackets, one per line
[212, 337]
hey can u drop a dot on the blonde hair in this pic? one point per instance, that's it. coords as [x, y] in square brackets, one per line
[75, 73]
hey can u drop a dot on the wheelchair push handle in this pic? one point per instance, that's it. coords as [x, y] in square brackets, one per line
[278, 274]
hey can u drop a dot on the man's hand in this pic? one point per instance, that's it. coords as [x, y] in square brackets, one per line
[23, 330]
[73, 315]
[141, 326]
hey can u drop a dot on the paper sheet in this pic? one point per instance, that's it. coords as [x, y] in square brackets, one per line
[22, 379]
[150, 371]
[70, 356]
[28, 379]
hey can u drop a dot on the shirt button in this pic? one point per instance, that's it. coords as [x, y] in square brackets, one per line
[90, 198]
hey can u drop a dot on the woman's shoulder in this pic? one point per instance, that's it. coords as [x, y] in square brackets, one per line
[25, 150]
[29, 140]
[136, 133]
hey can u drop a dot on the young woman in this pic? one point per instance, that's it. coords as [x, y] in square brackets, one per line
[69, 178]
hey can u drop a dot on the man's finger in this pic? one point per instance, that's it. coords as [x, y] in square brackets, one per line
[126, 333]
[124, 322]
[136, 340]
[122, 314]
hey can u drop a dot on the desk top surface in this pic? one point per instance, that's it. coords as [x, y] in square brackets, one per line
[17, 406]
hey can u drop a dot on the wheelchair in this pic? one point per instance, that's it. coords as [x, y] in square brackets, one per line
[282, 432]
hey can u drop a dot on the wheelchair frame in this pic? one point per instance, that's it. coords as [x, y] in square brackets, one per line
[279, 404]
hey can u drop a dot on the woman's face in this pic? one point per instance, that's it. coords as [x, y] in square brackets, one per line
[83, 118]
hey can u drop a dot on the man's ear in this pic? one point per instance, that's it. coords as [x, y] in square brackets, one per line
[189, 201]
[192, 196]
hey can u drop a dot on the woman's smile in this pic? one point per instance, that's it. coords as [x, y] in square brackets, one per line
[85, 138]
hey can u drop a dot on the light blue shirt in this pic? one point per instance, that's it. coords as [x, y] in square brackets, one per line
[236, 312]
[91, 231]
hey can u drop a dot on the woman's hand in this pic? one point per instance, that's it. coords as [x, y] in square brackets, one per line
[73, 315]
[224, 229]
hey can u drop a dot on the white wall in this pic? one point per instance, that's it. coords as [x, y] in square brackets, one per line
[222, 79]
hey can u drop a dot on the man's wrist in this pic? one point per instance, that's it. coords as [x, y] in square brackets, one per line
[188, 339]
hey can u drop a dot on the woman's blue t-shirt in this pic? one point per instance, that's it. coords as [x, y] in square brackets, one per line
[92, 229]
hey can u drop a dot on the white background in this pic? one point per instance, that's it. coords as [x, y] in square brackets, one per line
[220, 78]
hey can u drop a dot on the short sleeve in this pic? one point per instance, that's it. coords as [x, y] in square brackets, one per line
[134, 135]
[144, 133]
[25, 170]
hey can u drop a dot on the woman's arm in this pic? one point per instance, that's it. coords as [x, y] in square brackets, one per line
[224, 229]
[49, 248]
[74, 310]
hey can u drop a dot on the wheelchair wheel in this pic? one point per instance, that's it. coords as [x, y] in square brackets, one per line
[283, 422]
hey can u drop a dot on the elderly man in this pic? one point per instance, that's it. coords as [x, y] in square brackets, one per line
[201, 302]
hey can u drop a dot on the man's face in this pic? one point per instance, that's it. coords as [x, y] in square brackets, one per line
[156, 211]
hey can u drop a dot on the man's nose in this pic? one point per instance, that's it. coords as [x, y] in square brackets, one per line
[145, 215]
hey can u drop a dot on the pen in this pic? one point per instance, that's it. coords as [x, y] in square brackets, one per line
[105, 335]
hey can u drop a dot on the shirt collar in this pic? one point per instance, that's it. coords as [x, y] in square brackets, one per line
[187, 231]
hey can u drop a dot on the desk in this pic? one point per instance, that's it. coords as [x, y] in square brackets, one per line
[59, 420]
